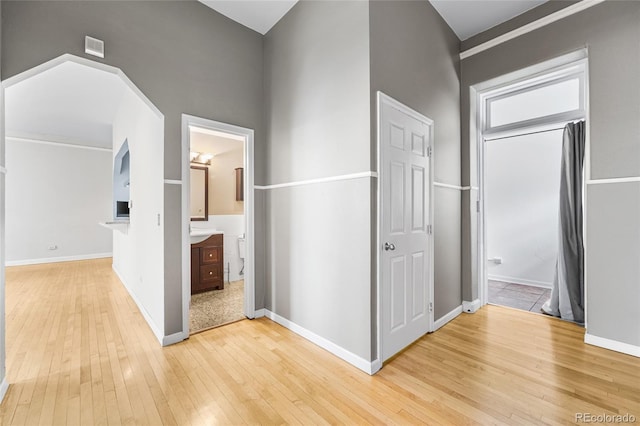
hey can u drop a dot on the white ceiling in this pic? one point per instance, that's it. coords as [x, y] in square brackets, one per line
[466, 17]
[258, 15]
[470, 17]
[70, 103]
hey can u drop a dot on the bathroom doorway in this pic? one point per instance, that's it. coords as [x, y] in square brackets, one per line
[219, 215]
[519, 126]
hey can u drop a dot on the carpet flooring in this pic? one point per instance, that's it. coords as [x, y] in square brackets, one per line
[217, 307]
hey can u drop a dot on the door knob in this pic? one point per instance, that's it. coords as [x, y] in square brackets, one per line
[388, 247]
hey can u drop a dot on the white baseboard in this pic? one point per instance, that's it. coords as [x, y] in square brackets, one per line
[4, 387]
[174, 338]
[376, 365]
[523, 281]
[353, 359]
[470, 307]
[259, 313]
[447, 317]
[613, 345]
[141, 308]
[57, 259]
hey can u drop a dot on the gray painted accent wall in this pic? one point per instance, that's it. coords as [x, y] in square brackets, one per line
[414, 59]
[318, 238]
[316, 92]
[529, 16]
[172, 248]
[613, 270]
[3, 370]
[611, 32]
[447, 290]
[260, 240]
[318, 260]
[185, 57]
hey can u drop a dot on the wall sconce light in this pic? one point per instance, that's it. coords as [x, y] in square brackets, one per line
[200, 157]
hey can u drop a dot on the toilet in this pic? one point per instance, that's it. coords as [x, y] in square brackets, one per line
[241, 250]
[241, 246]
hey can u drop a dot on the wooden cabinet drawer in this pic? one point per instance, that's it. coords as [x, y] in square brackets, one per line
[211, 255]
[211, 273]
[207, 260]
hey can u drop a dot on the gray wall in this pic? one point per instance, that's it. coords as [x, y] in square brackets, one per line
[185, 57]
[611, 33]
[318, 237]
[3, 371]
[534, 14]
[414, 59]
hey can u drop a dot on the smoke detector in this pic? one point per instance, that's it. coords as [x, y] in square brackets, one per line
[93, 46]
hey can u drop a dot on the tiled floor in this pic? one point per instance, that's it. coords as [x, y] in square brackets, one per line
[518, 296]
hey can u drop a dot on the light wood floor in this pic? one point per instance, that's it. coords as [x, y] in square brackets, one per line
[79, 352]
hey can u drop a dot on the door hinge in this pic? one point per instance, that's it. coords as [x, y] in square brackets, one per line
[430, 229]
[478, 206]
[430, 306]
[429, 151]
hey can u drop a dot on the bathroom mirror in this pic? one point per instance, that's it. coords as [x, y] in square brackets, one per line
[199, 193]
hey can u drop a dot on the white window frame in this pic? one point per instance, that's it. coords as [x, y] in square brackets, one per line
[557, 76]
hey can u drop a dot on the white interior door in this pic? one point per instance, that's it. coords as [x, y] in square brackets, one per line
[405, 237]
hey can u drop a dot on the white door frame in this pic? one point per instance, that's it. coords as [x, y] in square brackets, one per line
[480, 94]
[249, 265]
[386, 99]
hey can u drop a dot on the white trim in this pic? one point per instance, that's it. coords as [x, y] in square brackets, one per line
[246, 136]
[173, 338]
[380, 99]
[369, 174]
[173, 182]
[378, 239]
[523, 281]
[613, 345]
[4, 387]
[447, 317]
[55, 143]
[86, 62]
[446, 185]
[57, 259]
[141, 308]
[339, 351]
[3, 170]
[613, 180]
[587, 177]
[259, 313]
[532, 26]
[471, 307]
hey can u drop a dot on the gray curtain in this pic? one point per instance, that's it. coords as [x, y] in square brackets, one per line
[567, 294]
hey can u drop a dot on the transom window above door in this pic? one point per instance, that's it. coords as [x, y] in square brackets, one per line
[555, 97]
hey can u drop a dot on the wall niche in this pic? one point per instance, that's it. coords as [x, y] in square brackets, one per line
[121, 183]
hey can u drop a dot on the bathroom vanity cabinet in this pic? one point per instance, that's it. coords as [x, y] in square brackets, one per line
[207, 264]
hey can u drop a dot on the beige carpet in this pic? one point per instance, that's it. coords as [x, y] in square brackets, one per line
[217, 307]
